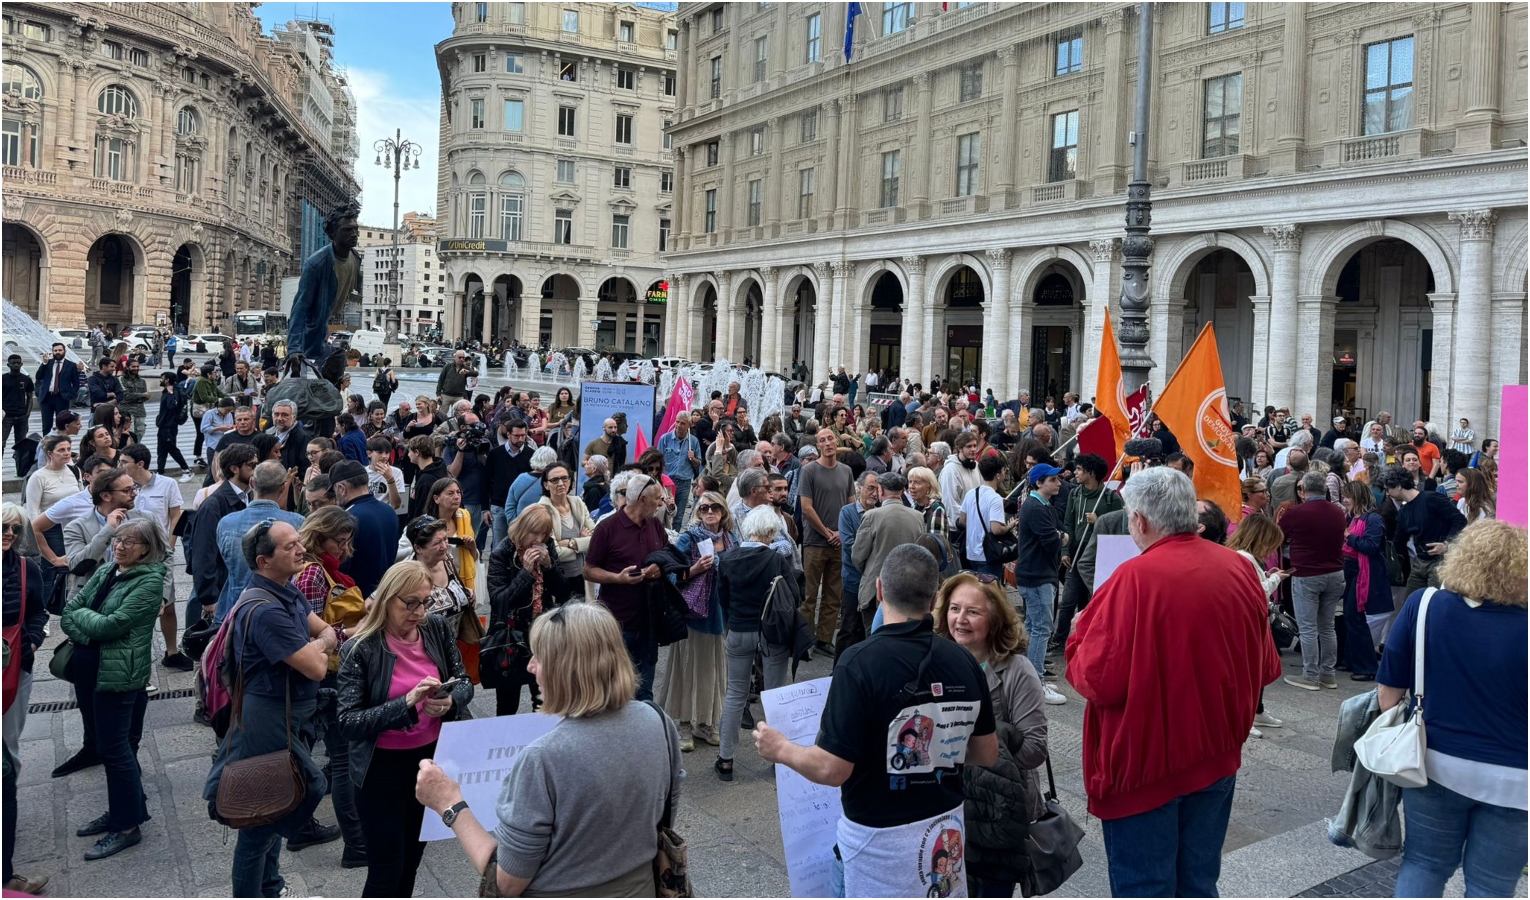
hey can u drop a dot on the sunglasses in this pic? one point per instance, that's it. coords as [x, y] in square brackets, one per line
[10, 529]
[709, 507]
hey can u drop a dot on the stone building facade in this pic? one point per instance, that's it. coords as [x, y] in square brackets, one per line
[556, 183]
[422, 299]
[157, 161]
[1339, 187]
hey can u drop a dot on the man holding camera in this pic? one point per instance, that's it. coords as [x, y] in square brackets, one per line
[467, 461]
[451, 384]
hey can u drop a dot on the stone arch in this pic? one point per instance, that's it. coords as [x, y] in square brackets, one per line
[135, 291]
[791, 279]
[470, 275]
[636, 290]
[188, 284]
[26, 267]
[1514, 259]
[1181, 261]
[1332, 252]
[942, 272]
[1031, 271]
[871, 272]
[556, 286]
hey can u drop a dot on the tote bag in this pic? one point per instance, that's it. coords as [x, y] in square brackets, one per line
[1394, 746]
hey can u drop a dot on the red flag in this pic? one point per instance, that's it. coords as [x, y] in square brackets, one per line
[1193, 405]
[680, 400]
[640, 443]
[1099, 438]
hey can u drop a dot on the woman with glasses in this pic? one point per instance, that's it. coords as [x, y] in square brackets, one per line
[401, 678]
[692, 692]
[572, 525]
[651, 461]
[430, 539]
[423, 423]
[1256, 498]
[445, 503]
[579, 809]
[523, 581]
[526, 489]
[24, 608]
[314, 451]
[110, 623]
[1004, 798]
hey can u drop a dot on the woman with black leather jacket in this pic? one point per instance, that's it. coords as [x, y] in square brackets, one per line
[400, 678]
[524, 580]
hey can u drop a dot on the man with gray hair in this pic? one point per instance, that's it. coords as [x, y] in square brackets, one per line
[935, 456]
[1301, 440]
[747, 459]
[891, 525]
[267, 486]
[290, 434]
[1164, 792]
[931, 696]
[1315, 529]
[879, 460]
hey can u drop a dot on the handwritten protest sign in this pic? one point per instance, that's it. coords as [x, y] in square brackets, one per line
[1114, 549]
[478, 753]
[809, 812]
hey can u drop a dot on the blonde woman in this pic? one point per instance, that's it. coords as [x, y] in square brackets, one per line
[401, 678]
[596, 839]
[924, 490]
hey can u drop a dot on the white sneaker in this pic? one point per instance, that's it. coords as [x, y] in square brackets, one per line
[151, 689]
[185, 477]
[1255, 733]
[1267, 720]
[1052, 697]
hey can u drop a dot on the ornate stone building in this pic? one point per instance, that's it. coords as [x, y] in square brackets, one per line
[158, 161]
[556, 182]
[1340, 187]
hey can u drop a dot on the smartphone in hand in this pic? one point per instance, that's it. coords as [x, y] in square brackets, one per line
[445, 689]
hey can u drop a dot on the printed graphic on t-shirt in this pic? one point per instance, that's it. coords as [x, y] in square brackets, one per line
[930, 736]
[941, 857]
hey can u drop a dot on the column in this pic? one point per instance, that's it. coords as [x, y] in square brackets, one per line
[1473, 356]
[914, 337]
[1259, 384]
[696, 322]
[934, 338]
[1100, 294]
[489, 302]
[840, 353]
[82, 105]
[1114, 103]
[1443, 308]
[1001, 145]
[727, 315]
[589, 308]
[1291, 108]
[678, 333]
[680, 226]
[829, 168]
[1166, 327]
[726, 218]
[845, 199]
[770, 321]
[1284, 334]
[919, 166]
[685, 71]
[1508, 353]
[775, 184]
[1314, 351]
[996, 335]
[823, 316]
[1479, 133]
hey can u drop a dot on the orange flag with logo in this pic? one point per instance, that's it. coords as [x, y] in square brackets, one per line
[1109, 390]
[1193, 406]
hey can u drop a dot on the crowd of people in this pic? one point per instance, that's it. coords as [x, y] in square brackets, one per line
[367, 574]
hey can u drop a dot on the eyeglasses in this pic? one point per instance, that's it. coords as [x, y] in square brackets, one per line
[560, 479]
[130, 489]
[709, 508]
[416, 605]
[127, 542]
[10, 529]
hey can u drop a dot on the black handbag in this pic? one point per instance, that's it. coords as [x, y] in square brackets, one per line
[502, 655]
[667, 613]
[1052, 845]
[998, 549]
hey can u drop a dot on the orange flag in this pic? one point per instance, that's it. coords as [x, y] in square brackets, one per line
[1193, 406]
[1109, 390]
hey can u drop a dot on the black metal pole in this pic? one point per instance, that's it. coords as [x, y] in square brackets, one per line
[1137, 246]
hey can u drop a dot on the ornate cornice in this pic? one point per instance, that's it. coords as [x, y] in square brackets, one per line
[998, 257]
[1105, 249]
[915, 264]
[1286, 237]
[1476, 224]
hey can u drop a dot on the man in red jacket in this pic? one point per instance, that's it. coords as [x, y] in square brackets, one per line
[1171, 655]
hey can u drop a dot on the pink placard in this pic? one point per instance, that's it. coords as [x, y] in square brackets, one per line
[1514, 455]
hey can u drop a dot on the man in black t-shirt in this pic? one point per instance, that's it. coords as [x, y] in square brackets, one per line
[906, 710]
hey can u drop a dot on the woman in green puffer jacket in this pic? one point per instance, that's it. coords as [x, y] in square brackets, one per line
[111, 624]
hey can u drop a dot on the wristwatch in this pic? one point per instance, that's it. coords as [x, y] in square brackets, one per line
[450, 816]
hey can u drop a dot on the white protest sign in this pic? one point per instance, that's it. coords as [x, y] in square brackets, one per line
[478, 753]
[1113, 550]
[809, 812]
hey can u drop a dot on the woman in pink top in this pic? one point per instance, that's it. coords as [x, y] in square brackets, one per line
[401, 677]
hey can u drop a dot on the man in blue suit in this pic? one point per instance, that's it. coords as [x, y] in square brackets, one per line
[57, 381]
[331, 275]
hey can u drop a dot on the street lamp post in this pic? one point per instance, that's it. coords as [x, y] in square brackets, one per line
[398, 153]
[1137, 246]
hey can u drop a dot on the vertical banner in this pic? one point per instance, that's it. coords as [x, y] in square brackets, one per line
[630, 404]
[1513, 454]
[809, 812]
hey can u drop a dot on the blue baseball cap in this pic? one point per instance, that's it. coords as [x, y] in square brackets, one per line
[1041, 472]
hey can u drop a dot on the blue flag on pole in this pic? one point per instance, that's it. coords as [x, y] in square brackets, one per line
[854, 10]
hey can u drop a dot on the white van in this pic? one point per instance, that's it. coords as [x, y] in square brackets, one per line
[369, 343]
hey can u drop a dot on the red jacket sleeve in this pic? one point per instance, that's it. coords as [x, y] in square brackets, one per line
[1099, 652]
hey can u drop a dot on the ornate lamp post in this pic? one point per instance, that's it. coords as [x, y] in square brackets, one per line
[1137, 246]
[398, 153]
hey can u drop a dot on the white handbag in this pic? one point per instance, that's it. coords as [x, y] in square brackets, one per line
[1394, 746]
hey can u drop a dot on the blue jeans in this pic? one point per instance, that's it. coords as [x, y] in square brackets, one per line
[501, 524]
[257, 863]
[481, 534]
[1445, 830]
[644, 651]
[1038, 621]
[1174, 850]
[1359, 652]
[682, 500]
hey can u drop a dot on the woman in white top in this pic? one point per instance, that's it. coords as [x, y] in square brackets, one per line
[55, 480]
[1257, 538]
[572, 525]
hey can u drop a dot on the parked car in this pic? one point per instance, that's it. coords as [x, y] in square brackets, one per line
[209, 343]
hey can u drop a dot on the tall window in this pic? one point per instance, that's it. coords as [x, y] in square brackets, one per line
[112, 159]
[481, 12]
[517, 13]
[761, 57]
[568, 71]
[623, 129]
[625, 32]
[619, 226]
[672, 40]
[1070, 53]
[23, 81]
[892, 104]
[892, 169]
[478, 118]
[514, 64]
[717, 19]
[754, 202]
[668, 80]
[563, 226]
[1224, 104]
[666, 181]
[804, 193]
[566, 121]
[512, 205]
[515, 115]
[622, 177]
[895, 17]
[116, 101]
[1063, 164]
[814, 25]
[626, 79]
[570, 20]
[1222, 17]
[20, 138]
[808, 122]
[480, 62]
[187, 123]
[138, 58]
[968, 153]
[185, 173]
[716, 89]
[668, 141]
[478, 205]
[565, 171]
[711, 215]
[972, 82]
[1389, 86]
[713, 148]
[757, 140]
[663, 235]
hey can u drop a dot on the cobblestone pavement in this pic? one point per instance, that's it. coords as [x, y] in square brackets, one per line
[1276, 843]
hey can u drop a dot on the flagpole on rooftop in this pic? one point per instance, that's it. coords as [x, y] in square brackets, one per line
[1137, 246]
